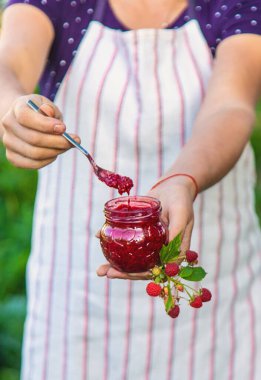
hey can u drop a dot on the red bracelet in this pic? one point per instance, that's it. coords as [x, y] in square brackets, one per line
[179, 175]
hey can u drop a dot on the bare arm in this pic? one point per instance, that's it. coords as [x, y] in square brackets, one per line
[31, 140]
[26, 37]
[222, 128]
[225, 121]
[221, 131]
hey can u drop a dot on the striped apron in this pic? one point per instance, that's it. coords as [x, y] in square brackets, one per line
[133, 97]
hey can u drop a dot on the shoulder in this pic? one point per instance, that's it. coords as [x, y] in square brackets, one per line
[241, 17]
[220, 19]
[60, 11]
[51, 9]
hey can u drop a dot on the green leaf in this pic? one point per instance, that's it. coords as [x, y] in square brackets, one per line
[168, 256]
[157, 280]
[163, 253]
[198, 273]
[170, 303]
[171, 251]
[186, 272]
[174, 245]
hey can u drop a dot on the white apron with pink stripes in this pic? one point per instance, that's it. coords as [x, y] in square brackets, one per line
[133, 97]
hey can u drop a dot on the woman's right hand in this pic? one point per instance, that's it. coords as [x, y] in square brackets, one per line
[33, 140]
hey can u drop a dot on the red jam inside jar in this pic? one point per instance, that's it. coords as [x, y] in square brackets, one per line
[133, 233]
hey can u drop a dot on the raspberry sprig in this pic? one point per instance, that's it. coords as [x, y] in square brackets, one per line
[170, 279]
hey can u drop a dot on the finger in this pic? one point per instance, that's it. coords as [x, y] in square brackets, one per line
[47, 110]
[112, 273]
[102, 270]
[185, 245]
[34, 120]
[26, 163]
[51, 110]
[46, 106]
[26, 150]
[177, 223]
[115, 274]
[39, 139]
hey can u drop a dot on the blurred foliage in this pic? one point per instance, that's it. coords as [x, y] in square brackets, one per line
[256, 142]
[17, 191]
[12, 314]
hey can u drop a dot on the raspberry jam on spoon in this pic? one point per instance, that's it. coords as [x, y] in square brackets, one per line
[121, 183]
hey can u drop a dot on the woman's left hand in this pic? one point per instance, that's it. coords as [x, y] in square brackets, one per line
[176, 196]
[110, 272]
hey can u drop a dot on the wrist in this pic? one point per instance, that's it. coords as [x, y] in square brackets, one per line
[179, 179]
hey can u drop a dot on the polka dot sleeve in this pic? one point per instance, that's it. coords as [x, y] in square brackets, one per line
[51, 8]
[219, 19]
[241, 17]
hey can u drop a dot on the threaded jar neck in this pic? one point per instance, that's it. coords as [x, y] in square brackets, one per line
[132, 209]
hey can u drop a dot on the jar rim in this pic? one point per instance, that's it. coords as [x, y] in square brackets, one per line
[151, 207]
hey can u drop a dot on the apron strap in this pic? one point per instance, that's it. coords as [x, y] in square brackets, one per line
[191, 9]
[99, 10]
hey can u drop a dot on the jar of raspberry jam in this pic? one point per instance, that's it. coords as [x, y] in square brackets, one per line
[133, 233]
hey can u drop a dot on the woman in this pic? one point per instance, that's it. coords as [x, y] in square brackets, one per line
[153, 88]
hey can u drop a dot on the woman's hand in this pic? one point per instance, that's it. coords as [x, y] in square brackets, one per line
[108, 271]
[33, 140]
[176, 196]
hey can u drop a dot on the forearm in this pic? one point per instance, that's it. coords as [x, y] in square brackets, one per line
[217, 142]
[27, 35]
[10, 89]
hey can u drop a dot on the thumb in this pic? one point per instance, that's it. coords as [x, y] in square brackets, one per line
[48, 107]
[177, 224]
[51, 110]
[186, 239]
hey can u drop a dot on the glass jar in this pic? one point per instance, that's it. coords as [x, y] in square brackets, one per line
[133, 233]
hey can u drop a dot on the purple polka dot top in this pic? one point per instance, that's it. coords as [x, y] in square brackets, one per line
[218, 20]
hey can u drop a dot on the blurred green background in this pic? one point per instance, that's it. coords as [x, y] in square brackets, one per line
[17, 189]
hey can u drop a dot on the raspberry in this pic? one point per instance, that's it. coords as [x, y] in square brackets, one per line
[180, 287]
[196, 302]
[191, 256]
[172, 269]
[153, 289]
[205, 295]
[174, 313]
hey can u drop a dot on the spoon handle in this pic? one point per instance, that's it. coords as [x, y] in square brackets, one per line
[77, 145]
[35, 107]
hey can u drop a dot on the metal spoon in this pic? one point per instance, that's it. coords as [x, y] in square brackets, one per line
[121, 183]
